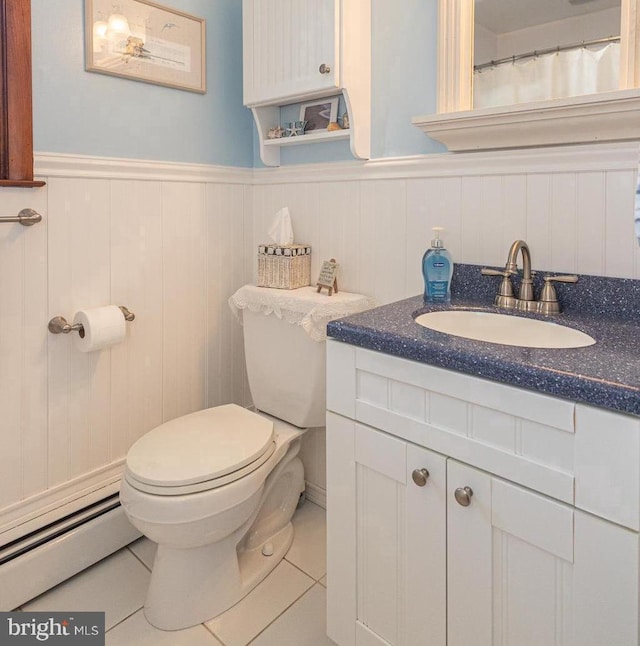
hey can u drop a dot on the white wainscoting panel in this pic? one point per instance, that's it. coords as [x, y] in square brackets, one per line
[23, 349]
[184, 299]
[79, 278]
[173, 241]
[573, 205]
[136, 265]
[167, 242]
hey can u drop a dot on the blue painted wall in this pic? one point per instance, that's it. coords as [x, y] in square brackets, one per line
[79, 112]
[404, 75]
[87, 113]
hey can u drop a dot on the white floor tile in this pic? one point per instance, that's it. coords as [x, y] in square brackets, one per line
[116, 585]
[304, 624]
[137, 631]
[309, 548]
[145, 550]
[323, 581]
[240, 624]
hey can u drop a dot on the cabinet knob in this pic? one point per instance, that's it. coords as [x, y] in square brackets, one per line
[324, 69]
[463, 496]
[420, 477]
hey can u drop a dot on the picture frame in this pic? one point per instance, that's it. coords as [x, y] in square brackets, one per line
[328, 277]
[319, 113]
[144, 41]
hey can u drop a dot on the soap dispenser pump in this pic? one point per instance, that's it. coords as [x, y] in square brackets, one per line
[437, 269]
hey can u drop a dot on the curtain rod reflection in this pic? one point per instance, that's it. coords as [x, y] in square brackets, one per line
[550, 50]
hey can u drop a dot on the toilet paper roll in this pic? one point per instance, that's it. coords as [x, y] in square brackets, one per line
[103, 327]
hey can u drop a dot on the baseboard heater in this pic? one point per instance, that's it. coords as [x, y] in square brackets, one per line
[36, 562]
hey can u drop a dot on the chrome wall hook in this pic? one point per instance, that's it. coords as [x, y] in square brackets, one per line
[60, 325]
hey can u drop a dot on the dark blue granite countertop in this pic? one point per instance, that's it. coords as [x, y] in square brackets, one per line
[606, 374]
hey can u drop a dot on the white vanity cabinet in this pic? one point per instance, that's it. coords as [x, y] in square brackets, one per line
[522, 564]
[294, 52]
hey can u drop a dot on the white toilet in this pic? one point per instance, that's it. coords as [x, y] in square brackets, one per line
[217, 489]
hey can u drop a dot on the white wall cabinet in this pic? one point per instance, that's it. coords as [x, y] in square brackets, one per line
[410, 564]
[285, 45]
[295, 52]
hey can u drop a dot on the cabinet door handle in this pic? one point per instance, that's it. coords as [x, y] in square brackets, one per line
[420, 477]
[463, 495]
[324, 69]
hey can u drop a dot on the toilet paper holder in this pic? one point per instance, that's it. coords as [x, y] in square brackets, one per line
[60, 325]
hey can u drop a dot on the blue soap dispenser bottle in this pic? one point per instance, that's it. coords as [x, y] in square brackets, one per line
[437, 269]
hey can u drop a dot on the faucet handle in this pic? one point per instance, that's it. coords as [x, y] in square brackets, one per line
[485, 271]
[548, 303]
[561, 279]
[505, 297]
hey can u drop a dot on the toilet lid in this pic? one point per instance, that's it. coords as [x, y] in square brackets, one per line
[202, 446]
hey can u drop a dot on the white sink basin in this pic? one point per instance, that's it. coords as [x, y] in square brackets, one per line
[505, 329]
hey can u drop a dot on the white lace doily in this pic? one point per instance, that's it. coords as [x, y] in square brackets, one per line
[303, 306]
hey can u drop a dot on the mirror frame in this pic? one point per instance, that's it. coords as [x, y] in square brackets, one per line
[609, 116]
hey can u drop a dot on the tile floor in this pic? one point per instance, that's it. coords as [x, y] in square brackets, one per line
[286, 609]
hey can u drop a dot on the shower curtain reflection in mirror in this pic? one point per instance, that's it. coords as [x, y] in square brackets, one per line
[553, 75]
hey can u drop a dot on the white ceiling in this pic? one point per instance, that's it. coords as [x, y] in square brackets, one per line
[502, 16]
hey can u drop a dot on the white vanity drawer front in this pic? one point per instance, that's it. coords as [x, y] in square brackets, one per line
[519, 435]
[608, 465]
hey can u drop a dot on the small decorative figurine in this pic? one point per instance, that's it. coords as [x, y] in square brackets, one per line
[276, 132]
[333, 125]
[296, 128]
[345, 121]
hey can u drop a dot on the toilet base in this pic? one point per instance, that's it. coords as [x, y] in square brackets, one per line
[207, 581]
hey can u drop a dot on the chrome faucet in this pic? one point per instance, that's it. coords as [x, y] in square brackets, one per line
[525, 300]
[548, 303]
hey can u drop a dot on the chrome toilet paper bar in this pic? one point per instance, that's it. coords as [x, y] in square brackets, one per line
[60, 325]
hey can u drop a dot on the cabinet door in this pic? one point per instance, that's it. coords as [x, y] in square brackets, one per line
[385, 539]
[284, 45]
[525, 570]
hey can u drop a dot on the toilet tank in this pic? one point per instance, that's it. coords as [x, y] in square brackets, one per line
[286, 369]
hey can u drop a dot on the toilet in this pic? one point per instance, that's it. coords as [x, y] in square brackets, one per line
[216, 489]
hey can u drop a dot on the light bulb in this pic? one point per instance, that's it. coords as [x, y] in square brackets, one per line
[100, 29]
[118, 24]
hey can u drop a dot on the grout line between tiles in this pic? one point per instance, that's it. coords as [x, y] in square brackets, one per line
[139, 559]
[282, 613]
[303, 571]
[123, 620]
[212, 633]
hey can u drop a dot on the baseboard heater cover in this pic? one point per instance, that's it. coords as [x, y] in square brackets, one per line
[39, 561]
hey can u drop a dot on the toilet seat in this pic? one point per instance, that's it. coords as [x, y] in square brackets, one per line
[201, 451]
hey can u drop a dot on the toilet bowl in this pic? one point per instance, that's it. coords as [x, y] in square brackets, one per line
[217, 489]
[222, 525]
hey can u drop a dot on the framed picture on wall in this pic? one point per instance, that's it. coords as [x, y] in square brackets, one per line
[319, 113]
[144, 41]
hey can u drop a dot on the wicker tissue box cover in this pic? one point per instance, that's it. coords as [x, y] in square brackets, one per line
[284, 266]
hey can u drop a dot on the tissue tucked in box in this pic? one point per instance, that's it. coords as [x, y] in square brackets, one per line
[284, 266]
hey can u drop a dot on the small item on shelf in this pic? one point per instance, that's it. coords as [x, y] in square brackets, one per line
[328, 276]
[345, 121]
[333, 125]
[296, 128]
[276, 132]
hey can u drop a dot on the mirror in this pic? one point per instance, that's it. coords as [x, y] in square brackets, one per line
[549, 49]
[597, 114]
[456, 38]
